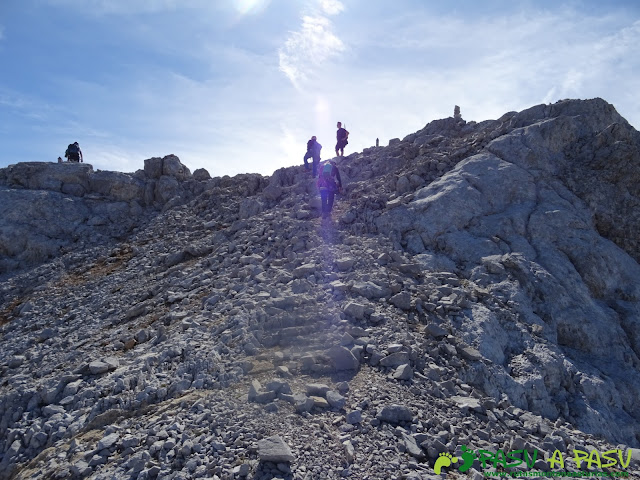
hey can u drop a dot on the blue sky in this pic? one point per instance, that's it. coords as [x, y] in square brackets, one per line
[239, 86]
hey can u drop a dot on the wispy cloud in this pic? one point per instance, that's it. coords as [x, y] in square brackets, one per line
[306, 49]
[415, 68]
[331, 7]
[216, 94]
[23, 105]
[314, 44]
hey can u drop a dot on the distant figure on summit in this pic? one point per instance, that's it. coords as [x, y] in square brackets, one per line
[313, 151]
[329, 182]
[73, 153]
[342, 136]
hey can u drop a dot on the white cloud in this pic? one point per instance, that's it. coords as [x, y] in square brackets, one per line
[305, 50]
[331, 7]
[416, 68]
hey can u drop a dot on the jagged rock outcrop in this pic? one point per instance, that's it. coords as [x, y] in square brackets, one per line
[47, 209]
[476, 288]
[524, 218]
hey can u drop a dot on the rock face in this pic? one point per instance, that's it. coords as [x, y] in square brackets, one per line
[477, 286]
[47, 209]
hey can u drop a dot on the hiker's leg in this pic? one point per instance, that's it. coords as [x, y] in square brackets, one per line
[323, 200]
[332, 196]
[306, 163]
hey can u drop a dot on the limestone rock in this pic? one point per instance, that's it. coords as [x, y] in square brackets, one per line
[343, 359]
[498, 293]
[395, 414]
[274, 449]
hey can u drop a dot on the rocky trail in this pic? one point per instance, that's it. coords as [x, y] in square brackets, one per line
[476, 288]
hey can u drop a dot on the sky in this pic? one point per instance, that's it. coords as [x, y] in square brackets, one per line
[238, 86]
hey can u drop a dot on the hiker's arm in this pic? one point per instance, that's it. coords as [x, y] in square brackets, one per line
[338, 177]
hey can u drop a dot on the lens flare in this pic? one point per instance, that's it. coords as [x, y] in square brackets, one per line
[245, 7]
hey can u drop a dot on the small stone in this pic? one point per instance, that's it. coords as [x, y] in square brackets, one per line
[108, 441]
[403, 372]
[244, 469]
[395, 359]
[344, 264]
[346, 340]
[318, 389]
[335, 399]
[81, 469]
[97, 460]
[343, 359]
[354, 417]
[412, 446]
[343, 387]
[278, 386]
[274, 449]
[349, 451]
[395, 414]
[302, 403]
[98, 367]
[130, 442]
[265, 397]
[468, 403]
[254, 389]
[304, 270]
[16, 361]
[354, 310]
[283, 371]
[402, 300]
[319, 402]
[469, 353]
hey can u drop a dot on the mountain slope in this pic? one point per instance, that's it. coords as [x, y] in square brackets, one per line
[481, 276]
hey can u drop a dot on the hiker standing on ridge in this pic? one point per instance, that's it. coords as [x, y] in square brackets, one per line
[73, 153]
[342, 136]
[313, 151]
[329, 182]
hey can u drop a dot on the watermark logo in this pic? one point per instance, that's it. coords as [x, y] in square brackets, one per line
[524, 459]
[446, 459]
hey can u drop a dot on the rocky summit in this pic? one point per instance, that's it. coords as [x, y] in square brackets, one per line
[471, 307]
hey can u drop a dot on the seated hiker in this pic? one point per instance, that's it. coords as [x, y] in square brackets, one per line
[342, 136]
[73, 153]
[313, 151]
[329, 182]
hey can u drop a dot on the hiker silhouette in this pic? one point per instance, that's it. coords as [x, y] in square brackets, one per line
[342, 136]
[329, 182]
[313, 151]
[73, 153]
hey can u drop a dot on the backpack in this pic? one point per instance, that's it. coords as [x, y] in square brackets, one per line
[326, 171]
[72, 148]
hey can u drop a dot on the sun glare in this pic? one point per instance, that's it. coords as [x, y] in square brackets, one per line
[250, 6]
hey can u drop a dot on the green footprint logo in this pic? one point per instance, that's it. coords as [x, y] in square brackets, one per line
[444, 460]
[468, 456]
